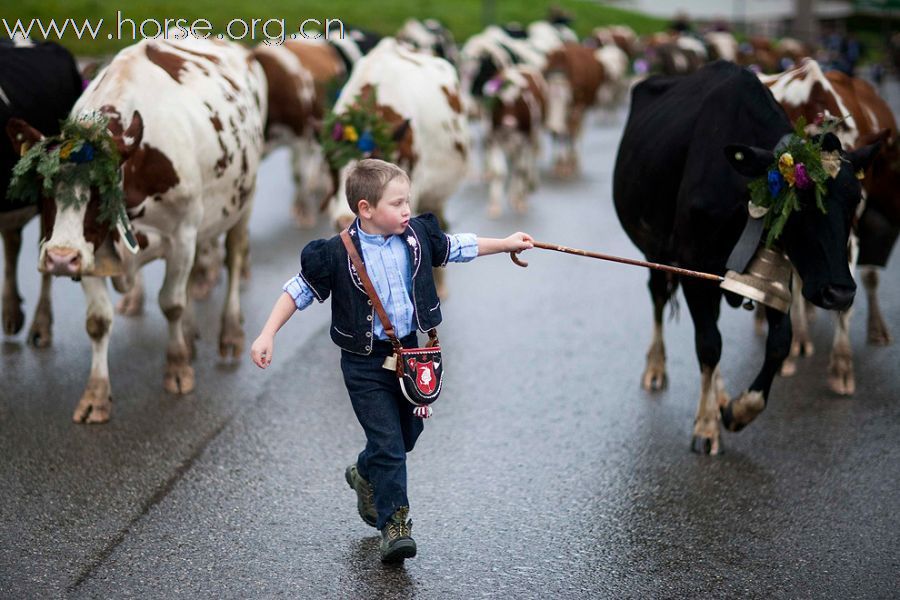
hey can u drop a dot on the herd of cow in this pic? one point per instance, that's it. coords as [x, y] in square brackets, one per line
[192, 120]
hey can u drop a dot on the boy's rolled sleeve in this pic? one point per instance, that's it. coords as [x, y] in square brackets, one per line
[297, 289]
[463, 247]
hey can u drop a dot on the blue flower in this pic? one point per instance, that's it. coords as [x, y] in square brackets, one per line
[83, 155]
[366, 142]
[776, 183]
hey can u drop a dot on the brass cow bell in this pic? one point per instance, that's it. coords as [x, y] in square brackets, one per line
[767, 280]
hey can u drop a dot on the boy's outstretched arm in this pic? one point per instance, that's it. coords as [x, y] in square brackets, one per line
[263, 347]
[515, 243]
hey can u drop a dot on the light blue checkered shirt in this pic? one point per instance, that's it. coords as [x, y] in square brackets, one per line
[387, 263]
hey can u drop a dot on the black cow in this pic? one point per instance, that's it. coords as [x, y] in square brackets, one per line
[38, 83]
[680, 187]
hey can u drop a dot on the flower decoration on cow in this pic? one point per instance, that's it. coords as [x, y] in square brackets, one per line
[800, 164]
[83, 156]
[492, 90]
[356, 133]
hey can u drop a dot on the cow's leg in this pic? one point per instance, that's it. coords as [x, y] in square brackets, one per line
[206, 269]
[40, 335]
[306, 160]
[878, 333]
[840, 364]
[496, 176]
[518, 184]
[654, 377]
[96, 402]
[179, 377]
[13, 317]
[742, 410]
[131, 304]
[231, 336]
[801, 344]
[703, 301]
[435, 204]
[534, 154]
[759, 319]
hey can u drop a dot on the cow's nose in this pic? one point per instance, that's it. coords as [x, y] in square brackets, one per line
[65, 261]
[838, 297]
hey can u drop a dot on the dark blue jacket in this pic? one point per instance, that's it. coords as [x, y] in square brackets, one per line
[326, 268]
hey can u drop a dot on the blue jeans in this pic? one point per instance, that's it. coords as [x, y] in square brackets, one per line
[386, 417]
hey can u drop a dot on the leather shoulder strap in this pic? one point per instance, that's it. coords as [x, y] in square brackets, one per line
[370, 289]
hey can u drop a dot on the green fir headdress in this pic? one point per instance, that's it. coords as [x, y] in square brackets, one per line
[800, 164]
[83, 155]
[356, 133]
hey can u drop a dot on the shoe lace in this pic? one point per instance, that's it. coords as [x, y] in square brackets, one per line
[398, 526]
[399, 530]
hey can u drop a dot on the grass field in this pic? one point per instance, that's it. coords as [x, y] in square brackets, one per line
[463, 17]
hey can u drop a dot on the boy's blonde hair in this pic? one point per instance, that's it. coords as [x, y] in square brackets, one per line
[367, 180]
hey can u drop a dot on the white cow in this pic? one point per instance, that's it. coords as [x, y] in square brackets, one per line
[187, 118]
[424, 91]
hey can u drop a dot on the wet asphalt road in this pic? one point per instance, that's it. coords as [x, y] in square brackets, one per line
[546, 471]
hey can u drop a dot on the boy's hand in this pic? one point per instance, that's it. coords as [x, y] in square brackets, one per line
[518, 241]
[262, 350]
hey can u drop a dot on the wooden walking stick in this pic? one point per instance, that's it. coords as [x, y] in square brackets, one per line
[619, 259]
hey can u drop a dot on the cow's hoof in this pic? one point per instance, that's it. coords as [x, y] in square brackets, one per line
[179, 379]
[201, 288]
[95, 404]
[789, 367]
[877, 334]
[654, 378]
[231, 340]
[40, 335]
[304, 218]
[131, 304]
[706, 445]
[738, 413]
[840, 374]
[13, 319]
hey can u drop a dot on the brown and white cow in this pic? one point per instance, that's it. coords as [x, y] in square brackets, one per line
[187, 117]
[517, 106]
[574, 75]
[300, 74]
[807, 92]
[429, 37]
[419, 97]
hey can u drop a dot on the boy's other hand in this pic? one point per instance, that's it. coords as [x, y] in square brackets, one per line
[262, 350]
[519, 241]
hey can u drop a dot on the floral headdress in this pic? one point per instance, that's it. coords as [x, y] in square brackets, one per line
[492, 89]
[358, 132]
[800, 164]
[82, 155]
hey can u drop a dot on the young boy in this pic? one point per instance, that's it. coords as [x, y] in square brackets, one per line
[398, 253]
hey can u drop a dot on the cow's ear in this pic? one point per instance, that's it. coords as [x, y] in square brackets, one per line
[831, 143]
[861, 158]
[749, 160]
[131, 138]
[22, 135]
[400, 130]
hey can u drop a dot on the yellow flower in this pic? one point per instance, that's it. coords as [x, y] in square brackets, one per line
[831, 162]
[786, 167]
[350, 133]
[66, 150]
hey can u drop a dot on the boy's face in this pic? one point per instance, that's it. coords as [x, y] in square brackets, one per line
[391, 215]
